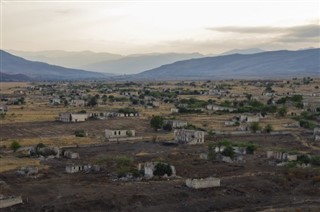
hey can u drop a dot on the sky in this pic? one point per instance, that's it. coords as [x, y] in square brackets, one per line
[136, 27]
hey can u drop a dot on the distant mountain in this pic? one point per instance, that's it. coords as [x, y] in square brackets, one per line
[272, 64]
[14, 77]
[243, 51]
[12, 65]
[65, 58]
[138, 63]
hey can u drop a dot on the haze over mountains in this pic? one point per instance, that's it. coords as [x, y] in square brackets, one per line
[105, 62]
[66, 58]
[13, 68]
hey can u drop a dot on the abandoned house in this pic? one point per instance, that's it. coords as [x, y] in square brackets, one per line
[149, 168]
[78, 168]
[281, 156]
[71, 155]
[174, 110]
[249, 118]
[175, 123]
[73, 117]
[220, 108]
[78, 102]
[316, 134]
[55, 101]
[3, 109]
[119, 133]
[188, 136]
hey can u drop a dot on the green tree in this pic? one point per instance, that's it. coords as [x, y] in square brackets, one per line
[268, 128]
[161, 169]
[255, 126]
[156, 122]
[228, 151]
[15, 145]
[282, 112]
[93, 101]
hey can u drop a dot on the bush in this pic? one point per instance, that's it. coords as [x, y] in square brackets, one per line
[167, 127]
[156, 122]
[123, 161]
[15, 145]
[162, 169]
[251, 148]
[304, 159]
[228, 151]
[268, 128]
[315, 160]
[80, 133]
[282, 112]
[255, 126]
[129, 133]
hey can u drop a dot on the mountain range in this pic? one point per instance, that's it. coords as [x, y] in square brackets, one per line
[13, 67]
[105, 62]
[271, 64]
[138, 63]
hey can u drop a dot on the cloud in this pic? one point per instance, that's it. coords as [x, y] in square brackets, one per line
[247, 30]
[301, 33]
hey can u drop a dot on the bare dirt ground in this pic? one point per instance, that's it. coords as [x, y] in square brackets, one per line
[252, 185]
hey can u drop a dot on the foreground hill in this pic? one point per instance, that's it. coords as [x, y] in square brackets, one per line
[271, 64]
[13, 65]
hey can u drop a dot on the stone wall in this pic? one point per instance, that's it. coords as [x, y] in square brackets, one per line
[203, 183]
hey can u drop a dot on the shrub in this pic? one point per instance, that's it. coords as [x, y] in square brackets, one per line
[15, 145]
[304, 159]
[251, 148]
[167, 127]
[282, 112]
[162, 169]
[123, 161]
[156, 122]
[315, 160]
[268, 128]
[228, 151]
[255, 126]
[80, 133]
[129, 133]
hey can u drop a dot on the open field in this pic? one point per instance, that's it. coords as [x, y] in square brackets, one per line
[251, 185]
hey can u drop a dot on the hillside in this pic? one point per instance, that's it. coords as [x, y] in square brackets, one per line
[266, 64]
[13, 65]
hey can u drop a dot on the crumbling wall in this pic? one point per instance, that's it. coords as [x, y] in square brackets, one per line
[203, 183]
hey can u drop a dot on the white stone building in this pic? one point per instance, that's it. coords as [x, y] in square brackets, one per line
[176, 123]
[119, 133]
[73, 117]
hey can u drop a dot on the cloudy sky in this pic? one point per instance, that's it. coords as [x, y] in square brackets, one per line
[129, 27]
